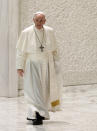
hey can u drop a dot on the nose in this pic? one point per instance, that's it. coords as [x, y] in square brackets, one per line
[39, 22]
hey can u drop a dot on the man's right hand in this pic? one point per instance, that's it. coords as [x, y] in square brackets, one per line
[20, 72]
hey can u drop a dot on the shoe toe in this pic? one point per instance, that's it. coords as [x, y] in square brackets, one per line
[37, 122]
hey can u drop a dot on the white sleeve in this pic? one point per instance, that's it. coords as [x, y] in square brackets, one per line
[55, 47]
[20, 52]
[20, 59]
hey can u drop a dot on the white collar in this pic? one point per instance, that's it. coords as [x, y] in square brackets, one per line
[39, 30]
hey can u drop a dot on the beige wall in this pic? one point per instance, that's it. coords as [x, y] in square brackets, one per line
[75, 24]
[8, 38]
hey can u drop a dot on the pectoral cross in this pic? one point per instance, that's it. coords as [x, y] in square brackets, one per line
[41, 47]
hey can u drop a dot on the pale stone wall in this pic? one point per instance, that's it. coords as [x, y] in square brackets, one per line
[75, 24]
[8, 38]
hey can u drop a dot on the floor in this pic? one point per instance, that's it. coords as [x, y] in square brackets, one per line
[79, 112]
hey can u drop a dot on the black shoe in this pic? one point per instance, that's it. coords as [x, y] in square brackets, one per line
[30, 119]
[39, 117]
[37, 122]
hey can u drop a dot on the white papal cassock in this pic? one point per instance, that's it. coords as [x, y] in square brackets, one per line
[42, 81]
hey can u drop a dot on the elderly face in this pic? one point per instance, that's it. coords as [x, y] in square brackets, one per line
[39, 21]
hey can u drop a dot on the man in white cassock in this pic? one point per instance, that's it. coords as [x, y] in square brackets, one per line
[36, 59]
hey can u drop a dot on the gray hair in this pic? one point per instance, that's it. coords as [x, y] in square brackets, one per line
[39, 12]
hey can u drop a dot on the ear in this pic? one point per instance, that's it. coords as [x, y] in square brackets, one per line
[44, 21]
[34, 20]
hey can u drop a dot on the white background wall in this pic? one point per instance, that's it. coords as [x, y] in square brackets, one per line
[3, 47]
[8, 38]
[75, 24]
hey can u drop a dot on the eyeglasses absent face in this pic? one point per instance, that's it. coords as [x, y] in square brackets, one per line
[39, 20]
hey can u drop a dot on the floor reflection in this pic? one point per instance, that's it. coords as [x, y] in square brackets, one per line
[79, 112]
[36, 128]
[48, 126]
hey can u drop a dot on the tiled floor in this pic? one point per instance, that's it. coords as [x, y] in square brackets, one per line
[79, 112]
